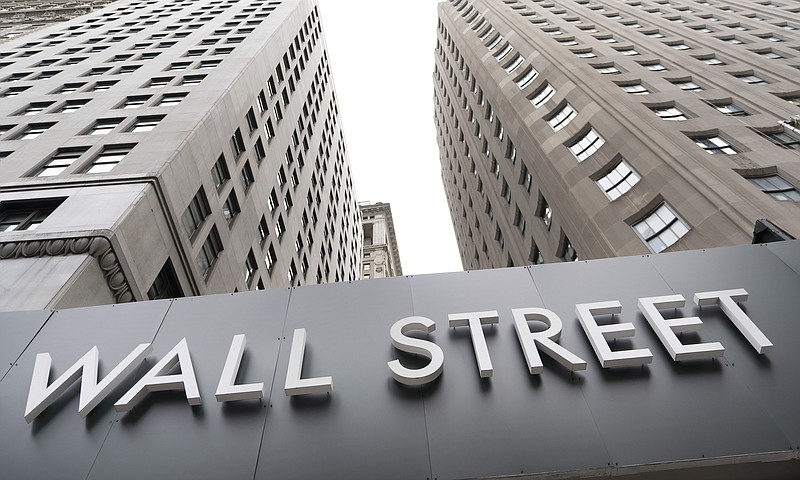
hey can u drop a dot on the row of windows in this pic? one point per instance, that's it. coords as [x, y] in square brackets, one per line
[616, 182]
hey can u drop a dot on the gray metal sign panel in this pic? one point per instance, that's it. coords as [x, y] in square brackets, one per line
[694, 416]
[212, 440]
[513, 422]
[376, 427]
[18, 329]
[59, 443]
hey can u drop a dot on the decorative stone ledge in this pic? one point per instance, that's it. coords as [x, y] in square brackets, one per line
[98, 247]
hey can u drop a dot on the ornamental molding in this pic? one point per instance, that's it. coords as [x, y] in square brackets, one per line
[98, 247]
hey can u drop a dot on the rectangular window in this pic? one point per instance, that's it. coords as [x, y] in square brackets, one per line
[669, 113]
[562, 117]
[252, 124]
[250, 267]
[263, 230]
[526, 78]
[231, 208]
[33, 130]
[194, 215]
[73, 105]
[661, 229]
[26, 215]
[715, 145]
[776, 187]
[169, 99]
[158, 82]
[103, 126]
[132, 102]
[543, 95]
[146, 124]
[237, 143]
[247, 176]
[166, 284]
[618, 181]
[220, 173]
[270, 258]
[106, 160]
[545, 213]
[585, 146]
[261, 154]
[60, 161]
[211, 249]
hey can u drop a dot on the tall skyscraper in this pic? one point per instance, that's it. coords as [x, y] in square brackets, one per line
[381, 257]
[20, 17]
[164, 148]
[587, 129]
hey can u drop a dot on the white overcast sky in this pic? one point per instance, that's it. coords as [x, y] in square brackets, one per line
[382, 59]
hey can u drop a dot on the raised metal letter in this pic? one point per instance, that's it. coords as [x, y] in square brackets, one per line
[727, 302]
[666, 329]
[41, 396]
[226, 390]
[544, 340]
[157, 380]
[600, 334]
[475, 320]
[302, 386]
[425, 348]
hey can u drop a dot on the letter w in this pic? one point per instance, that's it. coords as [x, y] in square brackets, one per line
[42, 396]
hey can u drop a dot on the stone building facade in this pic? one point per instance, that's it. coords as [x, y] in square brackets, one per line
[18, 17]
[160, 149]
[586, 129]
[381, 257]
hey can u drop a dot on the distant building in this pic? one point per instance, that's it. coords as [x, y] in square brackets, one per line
[18, 17]
[160, 149]
[587, 129]
[381, 257]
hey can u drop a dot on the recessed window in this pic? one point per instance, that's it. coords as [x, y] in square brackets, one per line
[569, 254]
[514, 64]
[680, 46]
[661, 229]
[715, 145]
[231, 208]
[169, 99]
[732, 40]
[618, 181]
[586, 145]
[108, 158]
[204, 64]
[237, 143]
[166, 284]
[249, 268]
[220, 173]
[247, 176]
[607, 69]
[585, 54]
[158, 82]
[34, 108]
[104, 85]
[562, 117]
[654, 66]
[73, 105]
[712, 61]
[26, 215]
[544, 94]
[669, 113]
[132, 102]
[730, 109]
[33, 130]
[688, 85]
[526, 78]
[146, 124]
[103, 126]
[212, 247]
[770, 54]
[635, 89]
[630, 51]
[60, 161]
[178, 66]
[545, 213]
[194, 215]
[751, 79]
[653, 34]
[192, 80]
[784, 139]
[774, 186]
